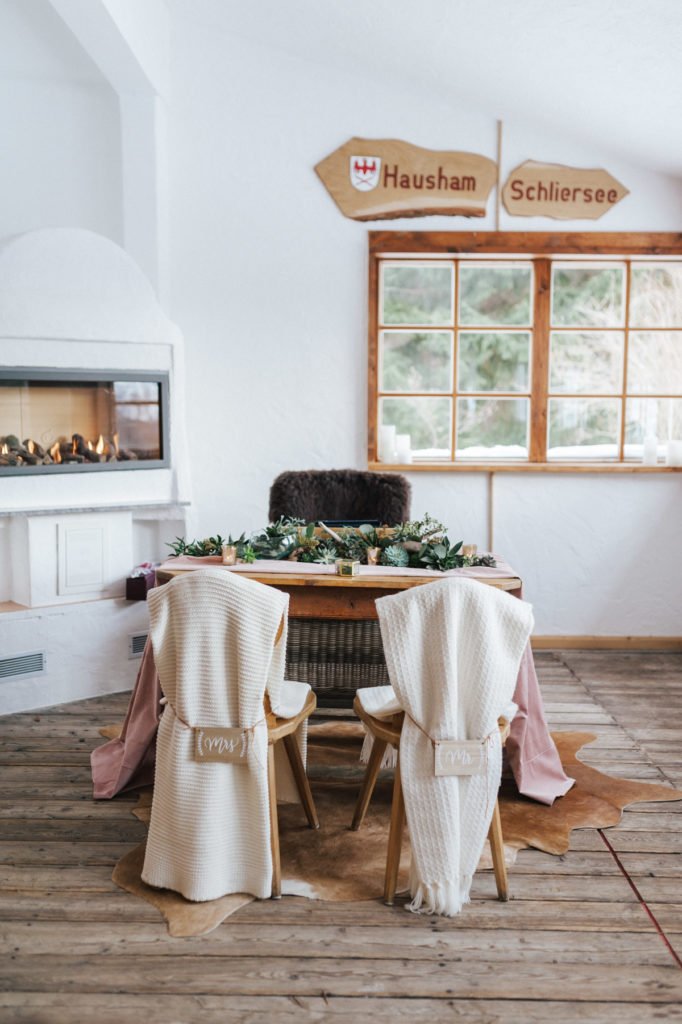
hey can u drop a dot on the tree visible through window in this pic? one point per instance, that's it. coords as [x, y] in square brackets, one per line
[528, 357]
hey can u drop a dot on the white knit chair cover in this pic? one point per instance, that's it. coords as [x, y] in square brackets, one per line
[453, 650]
[213, 634]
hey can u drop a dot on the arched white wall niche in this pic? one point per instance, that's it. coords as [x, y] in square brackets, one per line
[70, 298]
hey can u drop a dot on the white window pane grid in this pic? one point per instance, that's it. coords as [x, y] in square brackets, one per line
[602, 303]
[492, 428]
[651, 417]
[609, 341]
[399, 303]
[496, 271]
[655, 363]
[583, 428]
[426, 419]
[574, 370]
[516, 346]
[410, 377]
[655, 295]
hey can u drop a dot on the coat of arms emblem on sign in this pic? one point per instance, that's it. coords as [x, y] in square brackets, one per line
[364, 172]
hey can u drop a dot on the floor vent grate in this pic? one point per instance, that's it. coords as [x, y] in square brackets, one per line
[19, 665]
[136, 644]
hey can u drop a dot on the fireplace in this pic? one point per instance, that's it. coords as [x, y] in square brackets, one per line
[67, 421]
[92, 373]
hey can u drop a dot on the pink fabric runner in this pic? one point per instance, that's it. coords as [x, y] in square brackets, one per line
[128, 762]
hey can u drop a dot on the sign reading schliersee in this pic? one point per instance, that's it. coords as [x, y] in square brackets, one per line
[459, 757]
[229, 746]
[377, 179]
[565, 193]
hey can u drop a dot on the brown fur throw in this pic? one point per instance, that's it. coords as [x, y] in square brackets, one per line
[338, 494]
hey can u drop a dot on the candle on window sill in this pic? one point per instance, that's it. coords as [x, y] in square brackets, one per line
[674, 456]
[403, 449]
[650, 450]
[387, 443]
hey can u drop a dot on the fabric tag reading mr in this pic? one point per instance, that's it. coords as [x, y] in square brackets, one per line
[459, 757]
[228, 746]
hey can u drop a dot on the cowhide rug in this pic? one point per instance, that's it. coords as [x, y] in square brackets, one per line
[324, 864]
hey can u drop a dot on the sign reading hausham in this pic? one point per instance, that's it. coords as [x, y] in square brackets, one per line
[565, 193]
[377, 179]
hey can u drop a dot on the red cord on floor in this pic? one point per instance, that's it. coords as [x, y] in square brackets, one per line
[641, 900]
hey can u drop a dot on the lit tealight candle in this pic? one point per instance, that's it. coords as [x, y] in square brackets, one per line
[469, 550]
[229, 554]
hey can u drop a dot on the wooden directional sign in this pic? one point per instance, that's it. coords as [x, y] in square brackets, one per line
[378, 179]
[564, 193]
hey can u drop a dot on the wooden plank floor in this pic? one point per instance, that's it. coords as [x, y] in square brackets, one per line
[595, 935]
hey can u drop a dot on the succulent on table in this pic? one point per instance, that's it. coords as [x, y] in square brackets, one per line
[325, 554]
[395, 555]
[442, 555]
[419, 543]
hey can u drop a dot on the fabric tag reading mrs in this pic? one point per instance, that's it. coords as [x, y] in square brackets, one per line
[459, 757]
[229, 746]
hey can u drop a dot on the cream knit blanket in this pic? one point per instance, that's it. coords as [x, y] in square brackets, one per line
[453, 650]
[213, 635]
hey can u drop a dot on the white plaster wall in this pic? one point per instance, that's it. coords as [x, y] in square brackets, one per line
[86, 647]
[601, 555]
[269, 287]
[61, 162]
[5, 559]
[61, 154]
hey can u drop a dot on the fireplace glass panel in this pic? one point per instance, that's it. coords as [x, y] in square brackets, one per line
[94, 422]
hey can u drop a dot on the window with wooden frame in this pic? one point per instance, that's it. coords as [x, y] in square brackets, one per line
[526, 350]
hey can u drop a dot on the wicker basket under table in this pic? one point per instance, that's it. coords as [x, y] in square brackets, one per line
[337, 657]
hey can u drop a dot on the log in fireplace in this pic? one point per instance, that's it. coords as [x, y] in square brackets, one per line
[65, 421]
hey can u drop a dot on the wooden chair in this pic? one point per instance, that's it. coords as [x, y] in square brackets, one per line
[387, 732]
[338, 495]
[206, 598]
[341, 495]
[283, 729]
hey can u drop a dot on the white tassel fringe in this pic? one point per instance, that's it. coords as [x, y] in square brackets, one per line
[390, 758]
[446, 898]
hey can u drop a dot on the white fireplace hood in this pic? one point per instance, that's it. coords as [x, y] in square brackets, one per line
[72, 299]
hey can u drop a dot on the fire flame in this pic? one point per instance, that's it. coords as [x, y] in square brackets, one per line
[5, 449]
[100, 445]
[74, 447]
[55, 453]
[90, 448]
[116, 443]
[31, 447]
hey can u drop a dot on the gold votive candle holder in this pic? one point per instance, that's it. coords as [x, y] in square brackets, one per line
[229, 554]
[469, 550]
[347, 567]
[373, 556]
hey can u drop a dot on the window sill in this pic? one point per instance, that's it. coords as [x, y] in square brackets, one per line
[522, 467]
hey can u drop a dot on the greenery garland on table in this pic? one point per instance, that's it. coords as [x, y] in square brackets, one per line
[417, 544]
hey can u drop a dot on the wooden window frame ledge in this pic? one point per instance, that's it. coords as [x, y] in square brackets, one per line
[520, 467]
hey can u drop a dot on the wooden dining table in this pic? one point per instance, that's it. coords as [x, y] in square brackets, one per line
[318, 593]
[341, 597]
